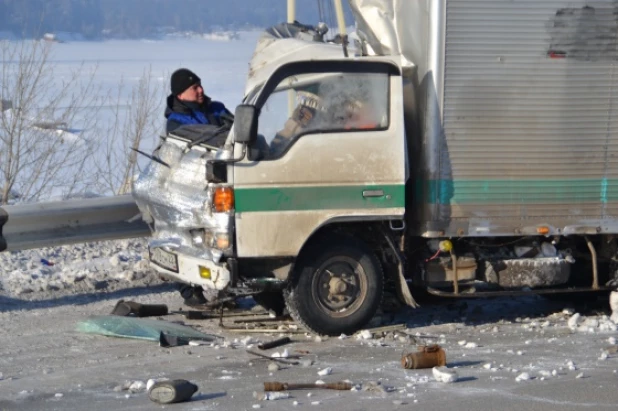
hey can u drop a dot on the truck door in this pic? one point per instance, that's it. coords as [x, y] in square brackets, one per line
[330, 147]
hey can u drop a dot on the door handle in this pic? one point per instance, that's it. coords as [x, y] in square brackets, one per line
[373, 193]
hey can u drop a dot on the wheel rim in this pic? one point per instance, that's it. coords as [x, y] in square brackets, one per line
[339, 286]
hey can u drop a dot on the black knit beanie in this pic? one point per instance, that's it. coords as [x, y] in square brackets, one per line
[182, 79]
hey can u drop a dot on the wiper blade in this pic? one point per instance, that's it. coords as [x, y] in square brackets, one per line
[153, 158]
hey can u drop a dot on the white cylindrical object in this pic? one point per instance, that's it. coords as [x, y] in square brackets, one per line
[291, 11]
[340, 17]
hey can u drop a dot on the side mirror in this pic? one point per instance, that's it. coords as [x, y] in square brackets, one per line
[245, 124]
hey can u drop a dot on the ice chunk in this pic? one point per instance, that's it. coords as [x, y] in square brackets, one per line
[443, 374]
[524, 376]
[325, 371]
[364, 335]
[573, 321]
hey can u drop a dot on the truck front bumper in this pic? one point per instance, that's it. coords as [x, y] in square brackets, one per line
[183, 268]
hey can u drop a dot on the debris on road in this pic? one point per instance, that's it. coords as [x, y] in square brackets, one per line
[443, 374]
[284, 386]
[167, 392]
[131, 308]
[271, 396]
[427, 356]
[283, 360]
[139, 328]
[377, 387]
[325, 371]
[275, 343]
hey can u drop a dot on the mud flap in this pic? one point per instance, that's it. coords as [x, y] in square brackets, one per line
[403, 291]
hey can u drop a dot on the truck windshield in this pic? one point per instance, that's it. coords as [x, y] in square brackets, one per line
[333, 102]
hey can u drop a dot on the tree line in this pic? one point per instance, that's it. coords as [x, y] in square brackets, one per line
[97, 19]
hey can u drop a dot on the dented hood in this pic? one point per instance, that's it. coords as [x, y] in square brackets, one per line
[272, 52]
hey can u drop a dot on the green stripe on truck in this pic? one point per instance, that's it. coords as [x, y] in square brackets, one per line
[501, 191]
[317, 198]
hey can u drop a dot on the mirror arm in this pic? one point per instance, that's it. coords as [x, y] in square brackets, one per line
[230, 160]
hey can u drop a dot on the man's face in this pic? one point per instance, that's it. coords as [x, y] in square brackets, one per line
[194, 94]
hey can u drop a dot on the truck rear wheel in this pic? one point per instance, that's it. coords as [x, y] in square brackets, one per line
[336, 287]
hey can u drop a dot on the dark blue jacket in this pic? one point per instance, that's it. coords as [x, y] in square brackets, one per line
[179, 113]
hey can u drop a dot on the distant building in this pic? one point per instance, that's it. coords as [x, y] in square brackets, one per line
[51, 37]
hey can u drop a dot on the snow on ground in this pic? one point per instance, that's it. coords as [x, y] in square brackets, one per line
[58, 271]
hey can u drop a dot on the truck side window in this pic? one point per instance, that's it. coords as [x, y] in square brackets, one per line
[323, 102]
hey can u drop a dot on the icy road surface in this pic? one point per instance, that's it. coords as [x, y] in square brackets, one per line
[509, 354]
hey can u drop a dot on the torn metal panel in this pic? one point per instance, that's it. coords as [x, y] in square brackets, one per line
[178, 200]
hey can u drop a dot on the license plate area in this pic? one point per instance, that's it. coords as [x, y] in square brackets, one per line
[164, 259]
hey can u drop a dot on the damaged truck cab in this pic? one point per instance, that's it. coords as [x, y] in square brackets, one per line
[314, 159]
[460, 149]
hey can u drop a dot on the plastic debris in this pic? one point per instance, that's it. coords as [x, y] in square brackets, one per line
[139, 328]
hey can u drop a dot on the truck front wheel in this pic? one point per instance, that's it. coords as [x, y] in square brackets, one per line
[336, 286]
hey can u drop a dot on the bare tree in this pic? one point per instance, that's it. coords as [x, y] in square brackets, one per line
[40, 155]
[133, 125]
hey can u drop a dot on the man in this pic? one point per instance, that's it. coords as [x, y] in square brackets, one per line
[188, 105]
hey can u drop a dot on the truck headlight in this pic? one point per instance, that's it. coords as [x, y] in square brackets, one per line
[222, 241]
[197, 237]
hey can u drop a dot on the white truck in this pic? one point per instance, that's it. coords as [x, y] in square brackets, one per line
[463, 147]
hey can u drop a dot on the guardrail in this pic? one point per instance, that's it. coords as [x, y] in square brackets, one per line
[37, 225]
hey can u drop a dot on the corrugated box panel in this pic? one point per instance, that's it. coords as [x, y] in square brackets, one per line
[530, 104]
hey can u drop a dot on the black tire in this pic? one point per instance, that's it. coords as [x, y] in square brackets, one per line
[271, 300]
[336, 286]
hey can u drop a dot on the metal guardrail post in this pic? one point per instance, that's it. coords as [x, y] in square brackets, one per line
[26, 226]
